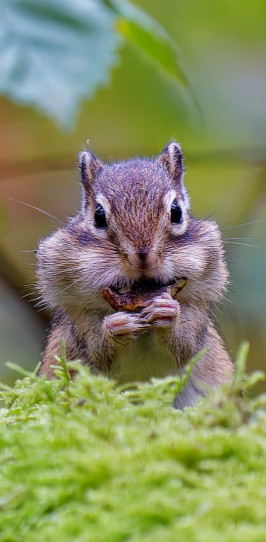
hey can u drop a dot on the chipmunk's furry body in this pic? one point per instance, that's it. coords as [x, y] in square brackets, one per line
[134, 227]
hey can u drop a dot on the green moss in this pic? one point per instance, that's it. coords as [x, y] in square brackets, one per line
[84, 461]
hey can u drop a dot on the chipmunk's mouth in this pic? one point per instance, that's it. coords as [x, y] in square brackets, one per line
[134, 297]
[145, 285]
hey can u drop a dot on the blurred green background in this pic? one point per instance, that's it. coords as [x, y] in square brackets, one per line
[137, 111]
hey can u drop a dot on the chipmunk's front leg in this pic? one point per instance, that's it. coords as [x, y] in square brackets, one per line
[175, 329]
[94, 339]
[61, 331]
[187, 330]
[104, 337]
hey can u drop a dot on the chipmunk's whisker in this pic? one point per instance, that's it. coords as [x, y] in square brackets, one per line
[239, 238]
[37, 298]
[37, 209]
[58, 273]
[70, 285]
[28, 295]
[242, 244]
[244, 224]
[229, 300]
[41, 305]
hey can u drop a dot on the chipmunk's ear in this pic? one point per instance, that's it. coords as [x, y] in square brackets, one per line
[89, 166]
[172, 159]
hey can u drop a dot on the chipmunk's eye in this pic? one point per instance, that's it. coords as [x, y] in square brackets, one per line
[100, 218]
[176, 213]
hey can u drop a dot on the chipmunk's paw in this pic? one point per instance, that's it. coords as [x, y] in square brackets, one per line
[161, 311]
[125, 325]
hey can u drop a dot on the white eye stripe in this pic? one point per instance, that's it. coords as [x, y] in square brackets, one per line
[168, 199]
[103, 201]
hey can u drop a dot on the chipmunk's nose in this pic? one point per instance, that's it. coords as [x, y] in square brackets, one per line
[143, 257]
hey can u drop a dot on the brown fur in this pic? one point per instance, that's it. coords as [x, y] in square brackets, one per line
[79, 260]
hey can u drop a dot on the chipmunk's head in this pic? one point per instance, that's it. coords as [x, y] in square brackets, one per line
[135, 206]
[134, 228]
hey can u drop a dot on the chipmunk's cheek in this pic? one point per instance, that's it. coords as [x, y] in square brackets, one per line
[187, 261]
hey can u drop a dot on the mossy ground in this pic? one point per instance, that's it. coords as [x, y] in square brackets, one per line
[84, 461]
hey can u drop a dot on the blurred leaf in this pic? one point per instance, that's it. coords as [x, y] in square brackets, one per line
[138, 27]
[2, 216]
[54, 53]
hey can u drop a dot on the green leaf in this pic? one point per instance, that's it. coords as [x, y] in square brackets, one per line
[138, 27]
[241, 358]
[240, 364]
[19, 369]
[254, 378]
[54, 53]
[62, 369]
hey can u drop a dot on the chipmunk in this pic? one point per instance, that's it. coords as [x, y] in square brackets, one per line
[134, 233]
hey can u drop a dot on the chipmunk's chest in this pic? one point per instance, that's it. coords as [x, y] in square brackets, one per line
[147, 357]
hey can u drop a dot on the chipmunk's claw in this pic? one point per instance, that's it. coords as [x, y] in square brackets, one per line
[127, 325]
[161, 311]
